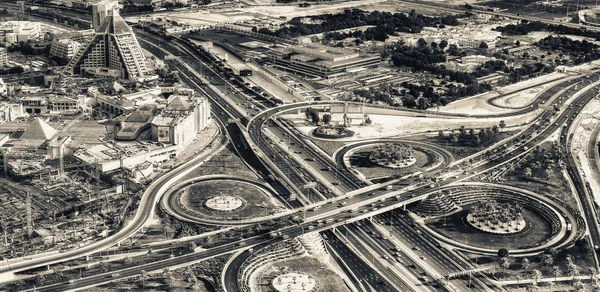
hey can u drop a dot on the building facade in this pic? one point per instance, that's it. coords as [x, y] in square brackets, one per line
[114, 48]
[64, 48]
[3, 57]
[19, 31]
[100, 11]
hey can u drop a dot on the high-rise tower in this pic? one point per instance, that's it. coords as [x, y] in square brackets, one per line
[113, 52]
[100, 10]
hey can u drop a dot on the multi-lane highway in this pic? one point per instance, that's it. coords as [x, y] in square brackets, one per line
[274, 159]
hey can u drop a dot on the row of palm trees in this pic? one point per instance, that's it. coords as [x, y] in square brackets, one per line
[495, 213]
[547, 260]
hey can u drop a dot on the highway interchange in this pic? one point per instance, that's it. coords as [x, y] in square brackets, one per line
[346, 231]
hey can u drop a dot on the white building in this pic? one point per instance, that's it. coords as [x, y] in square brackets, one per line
[180, 121]
[100, 10]
[3, 57]
[64, 48]
[114, 49]
[19, 31]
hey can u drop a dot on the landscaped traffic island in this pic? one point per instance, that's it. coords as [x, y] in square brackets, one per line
[498, 218]
[393, 155]
[332, 132]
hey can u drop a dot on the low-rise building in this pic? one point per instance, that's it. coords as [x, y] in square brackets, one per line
[320, 61]
[19, 31]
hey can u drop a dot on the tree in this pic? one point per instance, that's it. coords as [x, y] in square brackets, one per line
[443, 44]
[503, 253]
[504, 263]
[143, 275]
[547, 260]
[502, 125]
[518, 43]
[315, 117]
[326, 118]
[528, 172]
[483, 45]
[40, 280]
[127, 261]
[556, 272]
[573, 270]
[525, 264]
[536, 275]
[441, 134]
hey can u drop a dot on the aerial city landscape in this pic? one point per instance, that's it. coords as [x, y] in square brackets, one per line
[299, 145]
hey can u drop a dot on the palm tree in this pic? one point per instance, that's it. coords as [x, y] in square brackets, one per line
[143, 274]
[533, 287]
[525, 264]
[578, 285]
[103, 266]
[556, 272]
[536, 275]
[547, 260]
[504, 264]
[573, 270]
[127, 261]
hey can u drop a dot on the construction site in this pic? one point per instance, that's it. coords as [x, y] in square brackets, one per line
[50, 199]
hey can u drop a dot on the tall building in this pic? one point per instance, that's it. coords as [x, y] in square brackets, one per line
[113, 52]
[3, 57]
[100, 10]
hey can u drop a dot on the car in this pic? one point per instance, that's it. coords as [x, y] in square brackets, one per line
[311, 227]
[416, 248]
[114, 275]
[422, 257]
[385, 256]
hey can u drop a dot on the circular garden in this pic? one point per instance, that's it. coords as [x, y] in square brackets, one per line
[225, 199]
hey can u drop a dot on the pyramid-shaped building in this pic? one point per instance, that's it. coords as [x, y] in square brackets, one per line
[113, 52]
[38, 130]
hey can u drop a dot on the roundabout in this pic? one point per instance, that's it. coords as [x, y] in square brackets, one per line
[411, 156]
[488, 217]
[221, 200]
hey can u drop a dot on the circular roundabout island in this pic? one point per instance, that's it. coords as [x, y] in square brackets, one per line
[484, 218]
[332, 132]
[393, 155]
[221, 200]
[497, 218]
[294, 282]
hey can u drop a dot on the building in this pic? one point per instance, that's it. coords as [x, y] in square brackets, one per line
[3, 57]
[64, 48]
[113, 51]
[64, 105]
[180, 121]
[19, 31]
[34, 104]
[320, 61]
[100, 10]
